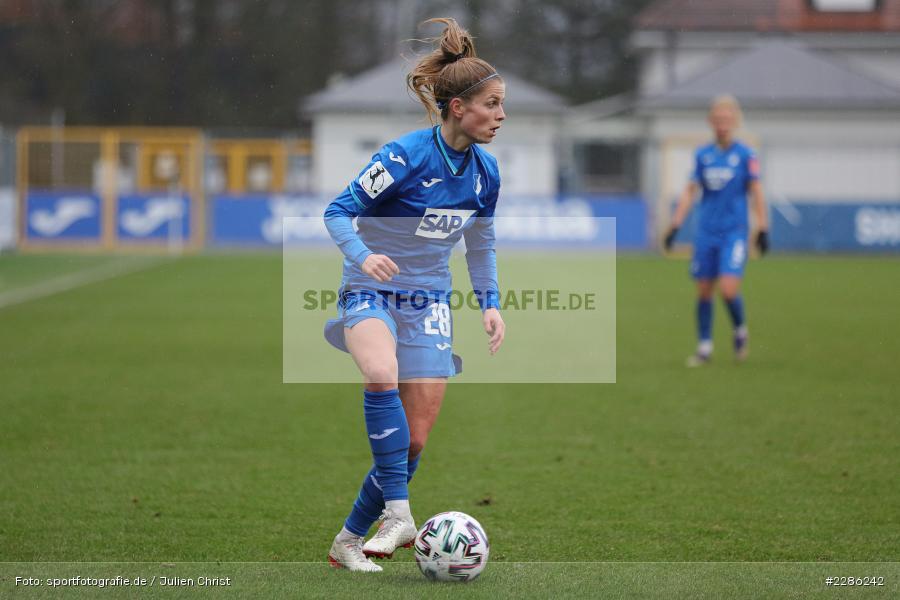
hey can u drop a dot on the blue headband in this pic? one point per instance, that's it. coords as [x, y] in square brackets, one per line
[442, 104]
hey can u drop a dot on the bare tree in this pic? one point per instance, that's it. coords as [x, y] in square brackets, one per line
[245, 63]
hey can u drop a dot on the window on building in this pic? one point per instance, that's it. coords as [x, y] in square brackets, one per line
[608, 167]
[844, 5]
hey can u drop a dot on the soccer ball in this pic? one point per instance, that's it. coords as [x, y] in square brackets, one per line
[451, 546]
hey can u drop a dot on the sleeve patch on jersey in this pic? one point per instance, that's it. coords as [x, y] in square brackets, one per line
[753, 165]
[375, 180]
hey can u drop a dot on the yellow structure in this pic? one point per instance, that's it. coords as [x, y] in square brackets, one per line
[145, 189]
[255, 165]
[109, 163]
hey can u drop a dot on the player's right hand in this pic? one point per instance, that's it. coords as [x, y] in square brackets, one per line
[670, 238]
[379, 267]
[494, 327]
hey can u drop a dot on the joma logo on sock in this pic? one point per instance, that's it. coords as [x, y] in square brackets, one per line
[384, 434]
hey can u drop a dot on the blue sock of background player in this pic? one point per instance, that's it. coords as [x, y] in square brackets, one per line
[736, 310]
[370, 501]
[388, 434]
[704, 326]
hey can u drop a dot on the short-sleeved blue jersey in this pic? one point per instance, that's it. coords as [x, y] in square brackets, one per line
[415, 200]
[724, 176]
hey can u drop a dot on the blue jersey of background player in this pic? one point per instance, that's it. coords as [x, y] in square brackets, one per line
[417, 198]
[726, 171]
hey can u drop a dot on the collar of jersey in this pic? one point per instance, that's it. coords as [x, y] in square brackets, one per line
[727, 150]
[436, 133]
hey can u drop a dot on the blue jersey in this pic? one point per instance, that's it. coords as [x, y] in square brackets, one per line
[415, 200]
[724, 176]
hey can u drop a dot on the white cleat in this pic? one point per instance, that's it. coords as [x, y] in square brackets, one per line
[348, 554]
[741, 339]
[702, 356]
[697, 360]
[394, 532]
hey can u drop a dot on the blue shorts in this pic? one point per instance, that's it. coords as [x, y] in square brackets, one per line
[422, 328]
[715, 256]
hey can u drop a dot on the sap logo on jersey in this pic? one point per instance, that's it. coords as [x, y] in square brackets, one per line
[375, 180]
[440, 223]
[717, 177]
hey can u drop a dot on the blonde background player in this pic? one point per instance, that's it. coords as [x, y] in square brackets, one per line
[725, 172]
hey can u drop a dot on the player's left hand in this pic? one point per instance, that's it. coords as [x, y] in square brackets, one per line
[762, 241]
[495, 327]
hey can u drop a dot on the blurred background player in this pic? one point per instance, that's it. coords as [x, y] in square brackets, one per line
[726, 171]
[415, 200]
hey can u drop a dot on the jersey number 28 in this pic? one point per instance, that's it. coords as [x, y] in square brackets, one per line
[440, 314]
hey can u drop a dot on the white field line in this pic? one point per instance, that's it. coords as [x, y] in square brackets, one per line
[77, 279]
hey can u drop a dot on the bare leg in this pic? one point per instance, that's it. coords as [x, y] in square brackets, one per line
[374, 350]
[422, 400]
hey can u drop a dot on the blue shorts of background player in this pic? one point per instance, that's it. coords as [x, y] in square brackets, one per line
[422, 326]
[715, 256]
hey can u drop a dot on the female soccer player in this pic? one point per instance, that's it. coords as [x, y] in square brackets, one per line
[417, 197]
[726, 171]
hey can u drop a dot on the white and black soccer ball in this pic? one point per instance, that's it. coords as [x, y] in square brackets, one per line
[451, 546]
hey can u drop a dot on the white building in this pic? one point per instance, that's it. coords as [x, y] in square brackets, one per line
[355, 117]
[820, 90]
[8, 212]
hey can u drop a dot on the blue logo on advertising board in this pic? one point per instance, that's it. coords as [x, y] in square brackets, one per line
[65, 216]
[260, 220]
[263, 220]
[154, 217]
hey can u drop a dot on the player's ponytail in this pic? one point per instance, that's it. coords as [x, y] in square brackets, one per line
[451, 70]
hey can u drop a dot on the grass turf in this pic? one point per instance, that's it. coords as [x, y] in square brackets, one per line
[144, 420]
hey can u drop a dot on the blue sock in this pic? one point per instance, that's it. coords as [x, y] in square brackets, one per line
[370, 501]
[368, 506]
[389, 439]
[704, 319]
[736, 309]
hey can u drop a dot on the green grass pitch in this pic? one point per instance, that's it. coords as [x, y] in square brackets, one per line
[144, 423]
